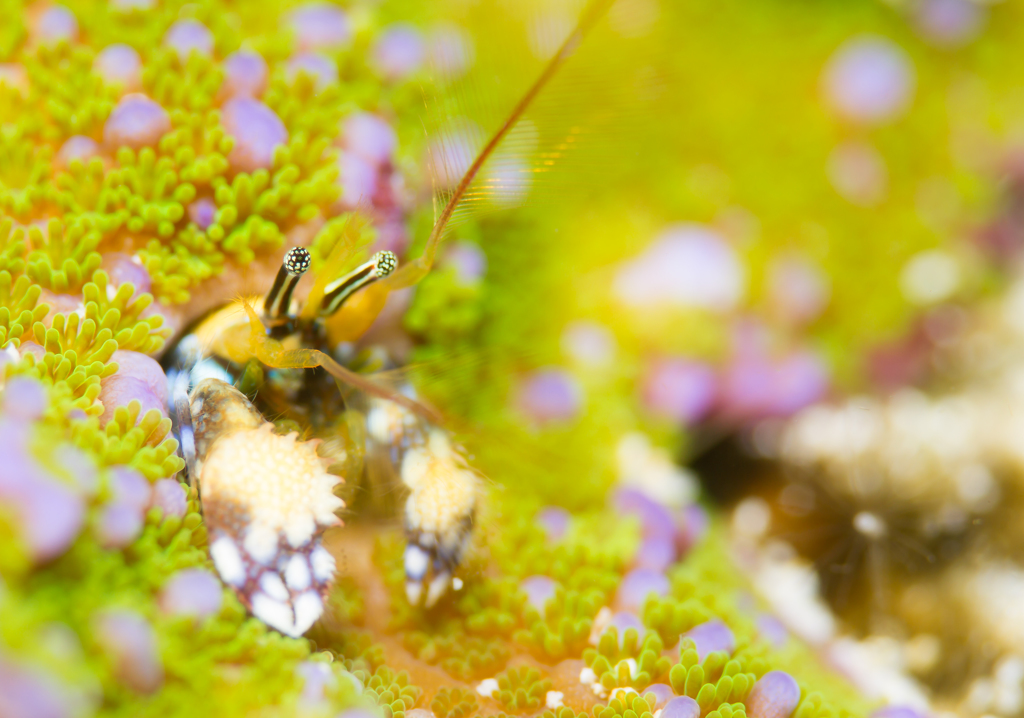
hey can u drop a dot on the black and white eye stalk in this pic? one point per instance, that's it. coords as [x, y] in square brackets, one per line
[337, 292]
[279, 298]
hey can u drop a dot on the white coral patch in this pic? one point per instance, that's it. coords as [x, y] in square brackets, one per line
[488, 687]
[622, 693]
[553, 699]
[228, 560]
[630, 665]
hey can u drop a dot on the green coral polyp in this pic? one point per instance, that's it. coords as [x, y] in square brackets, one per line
[629, 706]
[71, 98]
[522, 689]
[19, 306]
[714, 683]
[302, 107]
[63, 259]
[390, 690]
[629, 663]
[453, 703]
[671, 618]
[190, 86]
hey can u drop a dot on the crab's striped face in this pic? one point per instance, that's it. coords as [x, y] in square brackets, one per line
[267, 499]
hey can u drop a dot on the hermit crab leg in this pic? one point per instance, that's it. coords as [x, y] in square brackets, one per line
[279, 298]
[272, 354]
[380, 265]
[183, 415]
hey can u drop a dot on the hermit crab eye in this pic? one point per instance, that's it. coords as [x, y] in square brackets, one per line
[337, 292]
[296, 263]
[386, 261]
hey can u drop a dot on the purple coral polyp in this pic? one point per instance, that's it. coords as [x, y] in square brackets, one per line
[257, 130]
[120, 65]
[638, 585]
[119, 524]
[320, 26]
[192, 592]
[369, 136]
[358, 180]
[30, 693]
[681, 707]
[136, 122]
[869, 79]
[188, 36]
[399, 52]
[772, 630]
[680, 389]
[144, 368]
[77, 147]
[539, 590]
[24, 398]
[623, 621]
[122, 268]
[130, 641]
[50, 514]
[120, 390]
[776, 695]
[203, 212]
[654, 519]
[130, 487]
[662, 692]
[320, 68]
[57, 23]
[656, 553]
[245, 74]
[554, 521]
[550, 395]
[710, 637]
[898, 711]
[169, 496]
[693, 525]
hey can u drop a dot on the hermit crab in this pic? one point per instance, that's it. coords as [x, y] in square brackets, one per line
[268, 495]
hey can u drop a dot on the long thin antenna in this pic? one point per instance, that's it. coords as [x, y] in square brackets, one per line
[591, 14]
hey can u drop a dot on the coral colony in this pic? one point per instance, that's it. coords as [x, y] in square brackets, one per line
[724, 422]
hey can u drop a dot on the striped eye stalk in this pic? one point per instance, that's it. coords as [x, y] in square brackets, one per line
[296, 263]
[337, 292]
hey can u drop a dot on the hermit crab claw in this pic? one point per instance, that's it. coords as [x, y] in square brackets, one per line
[438, 516]
[266, 500]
